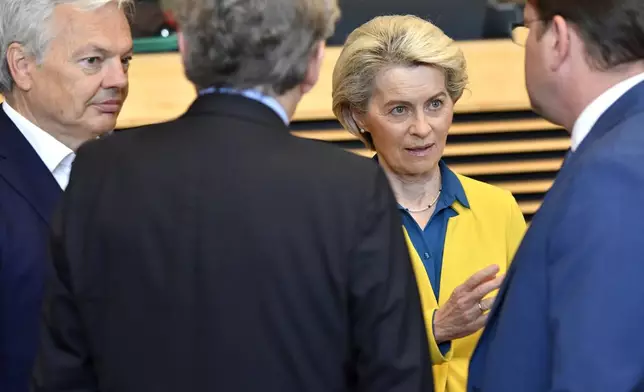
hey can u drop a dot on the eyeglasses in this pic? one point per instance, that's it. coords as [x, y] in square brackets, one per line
[520, 32]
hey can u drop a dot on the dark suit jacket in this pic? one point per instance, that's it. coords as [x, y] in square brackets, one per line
[28, 194]
[570, 315]
[218, 252]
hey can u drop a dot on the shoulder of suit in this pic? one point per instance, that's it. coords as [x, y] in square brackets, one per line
[335, 155]
[332, 158]
[622, 146]
[627, 135]
[122, 138]
[104, 150]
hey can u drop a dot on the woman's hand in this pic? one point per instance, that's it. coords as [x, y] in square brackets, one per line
[466, 311]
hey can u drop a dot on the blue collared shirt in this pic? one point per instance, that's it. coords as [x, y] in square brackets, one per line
[252, 94]
[430, 241]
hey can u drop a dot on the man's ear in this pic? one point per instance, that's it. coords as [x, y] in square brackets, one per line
[21, 65]
[181, 43]
[559, 47]
[314, 68]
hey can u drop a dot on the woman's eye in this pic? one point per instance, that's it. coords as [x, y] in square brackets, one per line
[436, 104]
[398, 110]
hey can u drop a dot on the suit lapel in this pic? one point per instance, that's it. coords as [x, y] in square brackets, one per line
[24, 171]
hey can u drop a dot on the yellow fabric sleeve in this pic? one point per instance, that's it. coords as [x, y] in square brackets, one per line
[516, 228]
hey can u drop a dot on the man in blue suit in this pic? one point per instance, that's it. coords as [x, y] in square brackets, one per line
[57, 96]
[570, 314]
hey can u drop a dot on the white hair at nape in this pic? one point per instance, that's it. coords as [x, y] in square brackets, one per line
[27, 22]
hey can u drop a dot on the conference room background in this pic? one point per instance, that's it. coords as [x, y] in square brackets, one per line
[495, 137]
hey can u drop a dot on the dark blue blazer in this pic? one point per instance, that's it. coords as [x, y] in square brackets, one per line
[570, 315]
[28, 195]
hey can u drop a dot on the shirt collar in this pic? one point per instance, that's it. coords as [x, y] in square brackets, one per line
[251, 94]
[452, 188]
[599, 106]
[50, 150]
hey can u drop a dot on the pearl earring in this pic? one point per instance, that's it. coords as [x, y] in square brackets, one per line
[361, 130]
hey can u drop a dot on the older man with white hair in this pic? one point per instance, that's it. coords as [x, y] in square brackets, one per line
[63, 75]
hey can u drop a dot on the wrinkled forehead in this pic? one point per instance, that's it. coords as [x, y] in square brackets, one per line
[417, 82]
[105, 28]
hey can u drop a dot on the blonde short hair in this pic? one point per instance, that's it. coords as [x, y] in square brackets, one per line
[385, 41]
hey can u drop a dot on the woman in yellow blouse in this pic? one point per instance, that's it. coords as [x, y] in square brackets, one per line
[395, 86]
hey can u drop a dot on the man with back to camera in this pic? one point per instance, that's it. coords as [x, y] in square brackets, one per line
[221, 253]
[569, 316]
[63, 75]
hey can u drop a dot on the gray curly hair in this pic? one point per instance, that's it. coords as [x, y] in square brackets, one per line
[252, 44]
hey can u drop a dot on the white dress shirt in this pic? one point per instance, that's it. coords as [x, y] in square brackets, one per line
[55, 155]
[599, 106]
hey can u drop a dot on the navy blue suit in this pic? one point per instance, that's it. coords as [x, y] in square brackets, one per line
[28, 196]
[570, 315]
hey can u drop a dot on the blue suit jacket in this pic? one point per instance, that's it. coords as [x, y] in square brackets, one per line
[28, 195]
[570, 315]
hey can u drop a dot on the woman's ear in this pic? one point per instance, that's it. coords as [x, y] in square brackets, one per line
[357, 118]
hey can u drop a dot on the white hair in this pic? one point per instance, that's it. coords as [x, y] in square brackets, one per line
[28, 23]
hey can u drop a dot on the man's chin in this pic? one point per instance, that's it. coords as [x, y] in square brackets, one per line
[544, 112]
[538, 107]
[101, 126]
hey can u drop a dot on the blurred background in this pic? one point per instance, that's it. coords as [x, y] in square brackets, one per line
[460, 19]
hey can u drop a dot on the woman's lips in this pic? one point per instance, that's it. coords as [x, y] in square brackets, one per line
[421, 151]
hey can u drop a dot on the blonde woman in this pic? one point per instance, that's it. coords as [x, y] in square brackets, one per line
[394, 86]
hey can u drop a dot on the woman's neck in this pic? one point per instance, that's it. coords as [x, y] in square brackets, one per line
[414, 191]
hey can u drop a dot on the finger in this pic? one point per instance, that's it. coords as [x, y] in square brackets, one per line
[487, 287]
[477, 324]
[486, 303]
[481, 321]
[471, 316]
[472, 321]
[481, 276]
